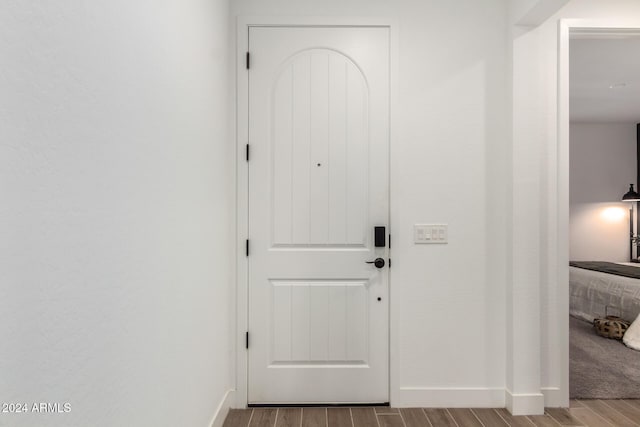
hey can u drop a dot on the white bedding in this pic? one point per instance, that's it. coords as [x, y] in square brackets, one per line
[632, 337]
[591, 291]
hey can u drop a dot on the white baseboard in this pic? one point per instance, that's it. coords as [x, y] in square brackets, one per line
[554, 398]
[222, 410]
[426, 397]
[524, 403]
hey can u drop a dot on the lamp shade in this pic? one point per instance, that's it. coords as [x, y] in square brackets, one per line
[631, 195]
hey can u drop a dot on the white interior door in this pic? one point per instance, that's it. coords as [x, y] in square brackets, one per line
[318, 184]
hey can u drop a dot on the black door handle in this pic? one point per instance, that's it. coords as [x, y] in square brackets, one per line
[378, 262]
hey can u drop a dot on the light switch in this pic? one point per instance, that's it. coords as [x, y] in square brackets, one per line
[430, 233]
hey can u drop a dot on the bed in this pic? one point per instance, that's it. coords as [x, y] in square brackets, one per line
[591, 290]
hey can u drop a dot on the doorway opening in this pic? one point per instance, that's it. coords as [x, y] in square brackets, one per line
[602, 145]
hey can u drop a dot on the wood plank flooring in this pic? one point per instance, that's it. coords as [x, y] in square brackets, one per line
[582, 413]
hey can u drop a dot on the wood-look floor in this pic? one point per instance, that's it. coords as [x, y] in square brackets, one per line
[585, 413]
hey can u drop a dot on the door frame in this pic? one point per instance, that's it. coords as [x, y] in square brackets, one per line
[567, 28]
[244, 23]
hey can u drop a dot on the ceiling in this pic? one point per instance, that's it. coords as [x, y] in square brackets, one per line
[605, 79]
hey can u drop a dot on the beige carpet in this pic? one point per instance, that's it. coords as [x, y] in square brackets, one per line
[601, 368]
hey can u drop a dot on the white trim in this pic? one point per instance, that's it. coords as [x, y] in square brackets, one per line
[222, 410]
[242, 170]
[559, 396]
[524, 404]
[395, 306]
[449, 397]
[602, 27]
[554, 397]
[242, 212]
[561, 257]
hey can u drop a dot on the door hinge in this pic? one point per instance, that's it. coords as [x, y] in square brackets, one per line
[247, 247]
[247, 152]
[389, 262]
[248, 61]
[246, 340]
[389, 241]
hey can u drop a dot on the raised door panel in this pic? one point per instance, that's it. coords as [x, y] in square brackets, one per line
[319, 162]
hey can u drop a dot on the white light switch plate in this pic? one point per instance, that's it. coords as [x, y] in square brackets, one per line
[430, 233]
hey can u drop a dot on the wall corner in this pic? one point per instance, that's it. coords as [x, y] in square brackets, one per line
[223, 409]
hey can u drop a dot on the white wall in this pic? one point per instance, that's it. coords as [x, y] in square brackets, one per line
[542, 163]
[449, 159]
[115, 211]
[602, 165]
[533, 12]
